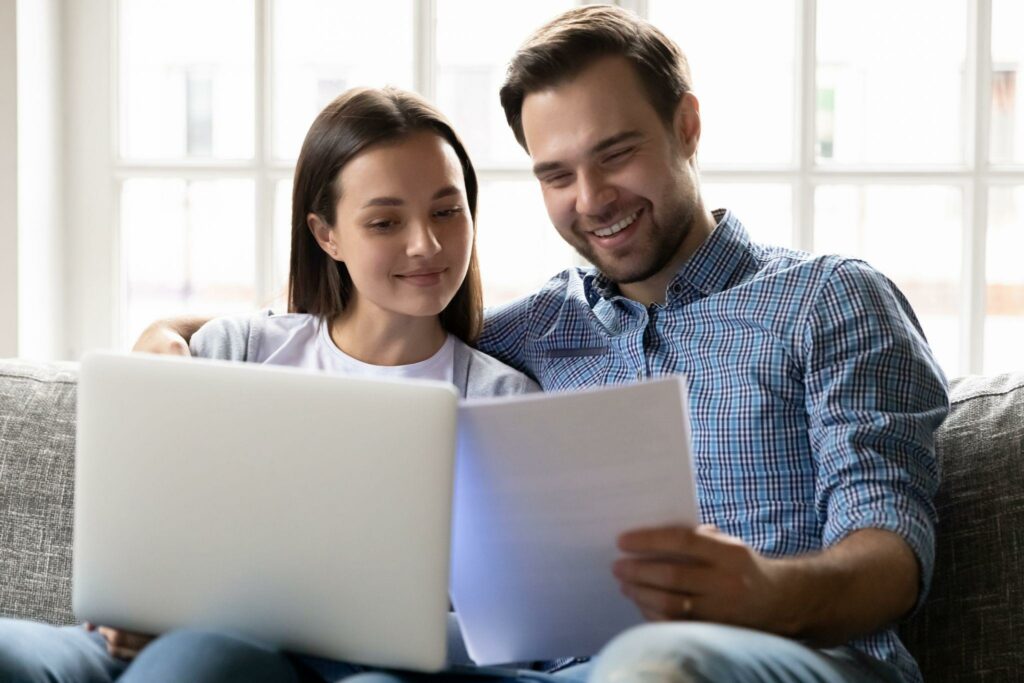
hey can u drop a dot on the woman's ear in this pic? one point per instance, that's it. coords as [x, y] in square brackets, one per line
[324, 236]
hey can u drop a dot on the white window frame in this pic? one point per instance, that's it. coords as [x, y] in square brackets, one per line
[95, 172]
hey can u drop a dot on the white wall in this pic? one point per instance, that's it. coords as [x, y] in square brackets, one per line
[40, 185]
[8, 181]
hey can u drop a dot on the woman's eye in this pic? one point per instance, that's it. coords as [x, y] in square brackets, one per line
[381, 226]
[448, 213]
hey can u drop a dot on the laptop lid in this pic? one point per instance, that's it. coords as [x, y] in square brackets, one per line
[309, 511]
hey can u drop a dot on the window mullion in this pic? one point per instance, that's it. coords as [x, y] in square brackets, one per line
[979, 43]
[263, 190]
[805, 136]
[425, 48]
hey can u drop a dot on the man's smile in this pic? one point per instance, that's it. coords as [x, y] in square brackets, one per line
[618, 232]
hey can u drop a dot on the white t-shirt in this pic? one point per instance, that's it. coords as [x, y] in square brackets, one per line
[299, 340]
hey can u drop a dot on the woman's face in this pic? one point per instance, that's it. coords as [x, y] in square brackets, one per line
[403, 226]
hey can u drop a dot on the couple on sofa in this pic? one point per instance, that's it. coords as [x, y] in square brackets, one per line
[814, 395]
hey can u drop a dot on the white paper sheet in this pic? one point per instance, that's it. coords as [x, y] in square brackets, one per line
[544, 485]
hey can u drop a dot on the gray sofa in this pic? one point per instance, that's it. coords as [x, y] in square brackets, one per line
[971, 628]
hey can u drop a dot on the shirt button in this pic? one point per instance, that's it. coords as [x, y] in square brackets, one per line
[677, 288]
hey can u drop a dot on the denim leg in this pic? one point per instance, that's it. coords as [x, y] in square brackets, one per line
[31, 652]
[692, 652]
[201, 656]
[468, 674]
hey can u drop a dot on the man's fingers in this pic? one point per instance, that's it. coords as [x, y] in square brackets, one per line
[160, 339]
[675, 576]
[660, 605]
[704, 543]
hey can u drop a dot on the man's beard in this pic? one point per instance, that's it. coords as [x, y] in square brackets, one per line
[663, 243]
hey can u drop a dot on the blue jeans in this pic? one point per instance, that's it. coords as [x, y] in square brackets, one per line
[31, 652]
[653, 653]
[696, 652]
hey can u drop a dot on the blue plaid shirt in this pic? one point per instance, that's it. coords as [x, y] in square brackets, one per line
[813, 393]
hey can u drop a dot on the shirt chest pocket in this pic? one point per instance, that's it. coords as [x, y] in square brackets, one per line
[577, 367]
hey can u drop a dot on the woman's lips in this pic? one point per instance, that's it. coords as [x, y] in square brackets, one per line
[423, 279]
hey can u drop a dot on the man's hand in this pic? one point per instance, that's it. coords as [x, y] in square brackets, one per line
[702, 574]
[169, 336]
[121, 644]
[866, 581]
[158, 339]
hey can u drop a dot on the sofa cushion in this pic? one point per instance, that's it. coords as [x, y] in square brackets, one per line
[37, 448]
[972, 626]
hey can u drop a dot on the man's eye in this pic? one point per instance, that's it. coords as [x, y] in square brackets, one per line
[619, 155]
[559, 180]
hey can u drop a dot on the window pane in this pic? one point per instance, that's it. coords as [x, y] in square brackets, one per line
[890, 81]
[741, 54]
[517, 246]
[1004, 320]
[282, 244]
[188, 247]
[323, 48]
[186, 79]
[766, 210]
[912, 235]
[471, 63]
[1007, 136]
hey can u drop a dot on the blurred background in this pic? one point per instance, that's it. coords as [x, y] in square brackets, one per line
[888, 130]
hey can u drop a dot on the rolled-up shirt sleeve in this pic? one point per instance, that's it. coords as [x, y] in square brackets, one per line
[875, 396]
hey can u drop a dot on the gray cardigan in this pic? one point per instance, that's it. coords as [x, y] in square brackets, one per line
[476, 375]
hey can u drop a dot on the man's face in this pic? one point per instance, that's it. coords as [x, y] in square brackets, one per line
[616, 179]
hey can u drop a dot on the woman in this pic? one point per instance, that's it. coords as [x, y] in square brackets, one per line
[383, 282]
[384, 278]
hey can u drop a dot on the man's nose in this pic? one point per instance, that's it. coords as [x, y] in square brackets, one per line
[422, 240]
[593, 194]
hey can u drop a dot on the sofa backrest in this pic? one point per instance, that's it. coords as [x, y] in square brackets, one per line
[37, 448]
[971, 628]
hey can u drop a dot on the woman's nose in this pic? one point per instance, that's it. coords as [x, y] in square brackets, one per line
[422, 240]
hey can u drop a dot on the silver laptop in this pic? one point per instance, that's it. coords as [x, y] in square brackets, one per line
[309, 511]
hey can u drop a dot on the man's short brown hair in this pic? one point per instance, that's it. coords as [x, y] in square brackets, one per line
[572, 41]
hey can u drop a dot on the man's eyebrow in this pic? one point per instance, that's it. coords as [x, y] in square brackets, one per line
[614, 140]
[628, 135]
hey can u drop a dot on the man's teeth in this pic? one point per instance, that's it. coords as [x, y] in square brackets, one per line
[618, 227]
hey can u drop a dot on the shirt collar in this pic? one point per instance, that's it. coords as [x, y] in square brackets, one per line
[708, 271]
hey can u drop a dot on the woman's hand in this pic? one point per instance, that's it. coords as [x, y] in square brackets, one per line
[121, 644]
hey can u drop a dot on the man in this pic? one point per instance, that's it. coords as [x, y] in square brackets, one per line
[814, 395]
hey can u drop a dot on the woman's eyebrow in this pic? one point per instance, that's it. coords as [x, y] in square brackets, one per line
[446, 191]
[384, 201]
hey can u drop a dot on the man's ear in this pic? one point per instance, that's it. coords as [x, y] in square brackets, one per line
[324, 236]
[686, 124]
